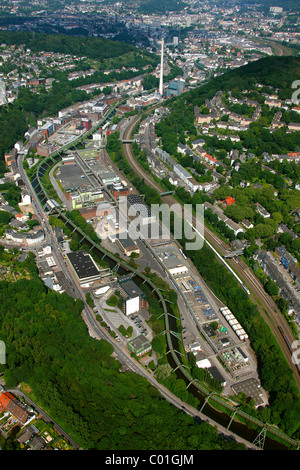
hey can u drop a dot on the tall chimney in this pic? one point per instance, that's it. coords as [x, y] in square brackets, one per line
[161, 89]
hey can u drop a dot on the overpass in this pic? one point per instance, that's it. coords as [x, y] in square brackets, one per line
[232, 254]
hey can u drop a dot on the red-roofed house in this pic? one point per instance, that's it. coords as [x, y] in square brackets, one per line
[210, 158]
[4, 400]
[9, 403]
[228, 201]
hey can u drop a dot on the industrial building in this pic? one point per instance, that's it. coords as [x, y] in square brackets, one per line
[83, 197]
[134, 299]
[139, 345]
[235, 325]
[119, 190]
[126, 244]
[174, 88]
[46, 149]
[108, 177]
[84, 266]
[136, 207]
[95, 212]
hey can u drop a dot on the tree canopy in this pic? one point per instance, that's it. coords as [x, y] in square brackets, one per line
[77, 381]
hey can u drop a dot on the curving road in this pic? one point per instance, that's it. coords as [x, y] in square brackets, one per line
[265, 304]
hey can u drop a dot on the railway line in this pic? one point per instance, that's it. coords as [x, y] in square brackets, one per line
[231, 411]
[265, 304]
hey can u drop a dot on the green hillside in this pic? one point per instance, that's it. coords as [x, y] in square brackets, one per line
[275, 71]
[94, 48]
[266, 4]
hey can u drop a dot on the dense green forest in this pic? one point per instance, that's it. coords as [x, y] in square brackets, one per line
[77, 381]
[274, 71]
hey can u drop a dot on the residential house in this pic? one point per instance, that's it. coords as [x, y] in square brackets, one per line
[262, 211]
[10, 404]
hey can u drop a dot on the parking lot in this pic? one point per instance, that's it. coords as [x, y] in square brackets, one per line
[114, 317]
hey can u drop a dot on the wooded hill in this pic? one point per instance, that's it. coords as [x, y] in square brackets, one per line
[91, 47]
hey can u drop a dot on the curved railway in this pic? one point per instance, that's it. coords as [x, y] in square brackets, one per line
[231, 410]
[264, 302]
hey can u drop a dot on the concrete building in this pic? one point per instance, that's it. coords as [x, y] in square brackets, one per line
[138, 209]
[119, 189]
[182, 173]
[48, 129]
[26, 238]
[108, 177]
[96, 212]
[126, 244]
[134, 299]
[46, 149]
[161, 73]
[82, 197]
[174, 88]
[139, 345]
[84, 266]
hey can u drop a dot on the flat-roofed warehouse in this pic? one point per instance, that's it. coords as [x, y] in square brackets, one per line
[84, 266]
[126, 244]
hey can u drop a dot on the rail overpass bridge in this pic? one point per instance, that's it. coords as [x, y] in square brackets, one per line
[232, 254]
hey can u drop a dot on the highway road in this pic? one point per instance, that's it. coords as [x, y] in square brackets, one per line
[265, 304]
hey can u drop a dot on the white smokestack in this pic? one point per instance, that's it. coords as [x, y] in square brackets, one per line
[161, 89]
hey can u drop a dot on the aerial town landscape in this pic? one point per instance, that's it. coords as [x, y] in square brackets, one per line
[149, 222]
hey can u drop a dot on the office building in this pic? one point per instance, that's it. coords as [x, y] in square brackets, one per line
[134, 299]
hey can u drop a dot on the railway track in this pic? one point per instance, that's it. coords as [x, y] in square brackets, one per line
[265, 304]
